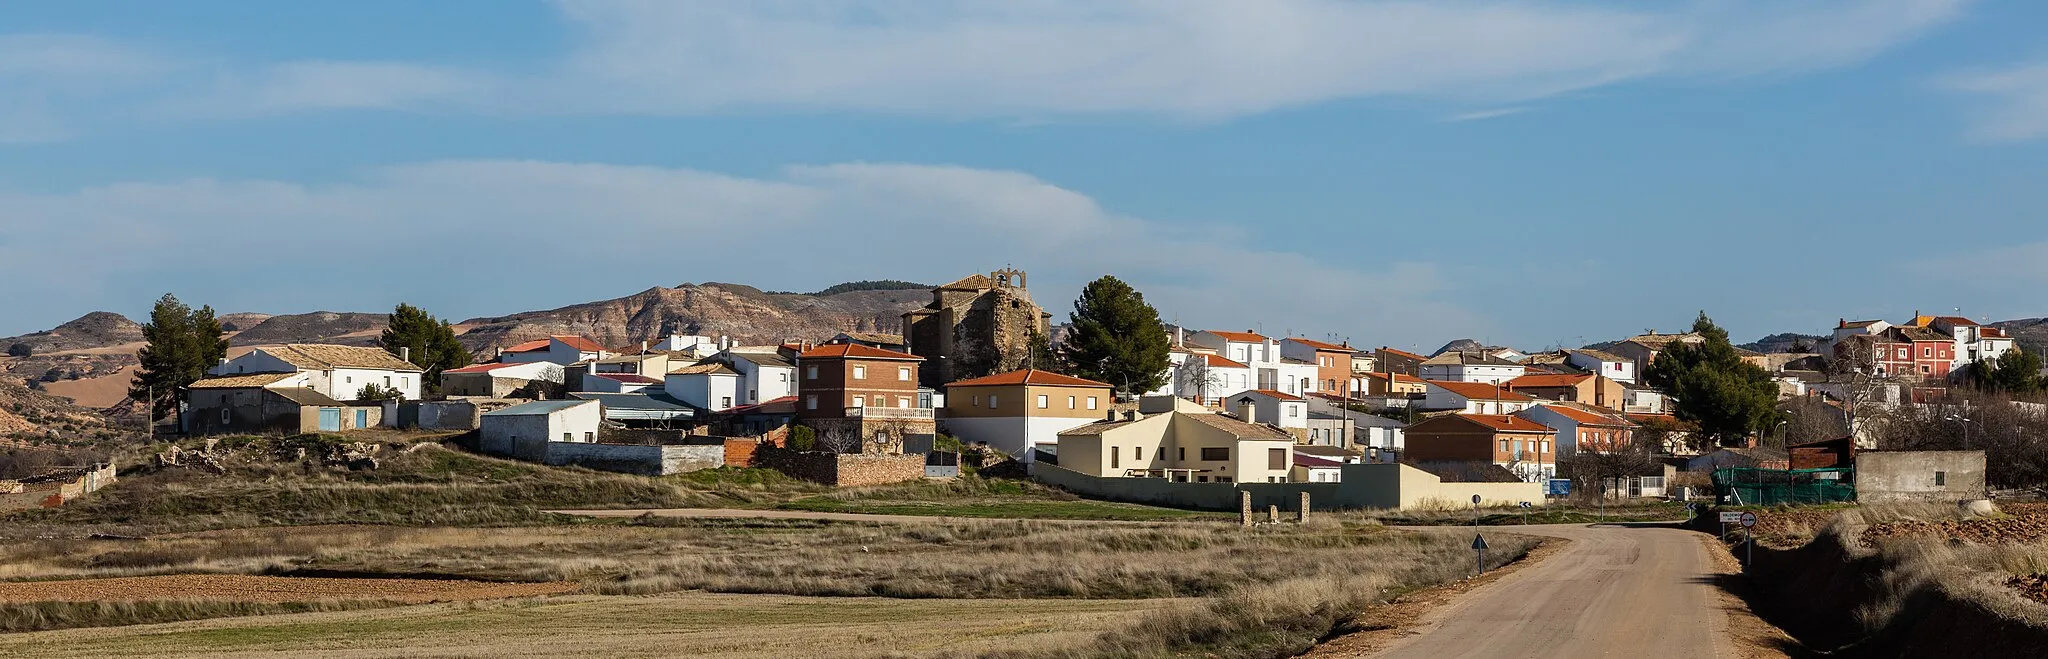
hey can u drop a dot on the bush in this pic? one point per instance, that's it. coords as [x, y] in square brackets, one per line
[21, 350]
[803, 438]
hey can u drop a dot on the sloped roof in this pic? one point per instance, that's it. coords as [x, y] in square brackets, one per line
[1468, 358]
[240, 381]
[973, 282]
[539, 345]
[320, 357]
[1238, 428]
[1397, 378]
[579, 343]
[854, 351]
[1601, 355]
[1658, 341]
[769, 357]
[1478, 390]
[1323, 345]
[783, 405]
[304, 396]
[1305, 460]
[1508, 422]
[628, 378]
[1549, 380]
[1585, 417]
[874, 337]
[1922, 334]
[1240, 337]
[1327, 451]
[539, 407]
[1279, 395]
[1400, 353]
[1221, 361]
[1029, 376]
[485, 368]
[704, 369]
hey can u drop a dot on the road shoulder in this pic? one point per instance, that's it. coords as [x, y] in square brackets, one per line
[1750, 636]
[1382, 625]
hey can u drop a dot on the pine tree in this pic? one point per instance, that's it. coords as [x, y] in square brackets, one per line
[2015, 372]
[431, 341]
[181, 345]
[1042, 356]
[1117, 338]
[1728, 398]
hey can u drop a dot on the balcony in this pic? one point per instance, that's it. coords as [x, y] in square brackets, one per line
[909, 413]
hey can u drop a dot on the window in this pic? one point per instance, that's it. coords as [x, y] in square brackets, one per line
[1160, 455]
[568, 436]
[1927, 352]
[1222, 479]
[1115, 458]
[977, 400]
[1940, 479]
[903, 373]
[1518, 446]
[387, 380]
[1276, 458]
[223, 413]
[1293, 411]
[1180, 453]
[348, 379]
[1137, 453]
[1070, 402]
[991, 401]
[1201, 479]
[1091, 402]
[1216, 453]
[860, 372]
[1503, 446]
[1044, 402]
[811, 372]
[811, 402]
[860, 401]
[725, 401]
[903, 403]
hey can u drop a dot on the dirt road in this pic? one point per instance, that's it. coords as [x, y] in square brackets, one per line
[1612, 592]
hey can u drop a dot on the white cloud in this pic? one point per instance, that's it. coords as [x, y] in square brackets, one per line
[489, 237]
[1037, 60]
[1482, 115]
[2016, 264]
[2014, 101]
[51, 82]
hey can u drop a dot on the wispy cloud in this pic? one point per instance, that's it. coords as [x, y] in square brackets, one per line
[2013, 264]
[2013, 102]
[489, 237]
[1190, 60]
[1485, 114]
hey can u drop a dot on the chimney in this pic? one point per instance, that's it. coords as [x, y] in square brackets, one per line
[724, 342]
[643, 346]
[1111, 417]
[405, 354]
[1247, 409]
[1130, 415]
[1272, 350]
[1180, 336]
[590, 367]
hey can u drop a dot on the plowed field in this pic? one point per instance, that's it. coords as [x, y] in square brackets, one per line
[269, 589]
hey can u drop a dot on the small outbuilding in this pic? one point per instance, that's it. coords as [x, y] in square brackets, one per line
[523, 431]
[1919, 475]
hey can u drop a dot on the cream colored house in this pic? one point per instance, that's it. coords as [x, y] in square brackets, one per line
[1185, 442]
[1019, 411]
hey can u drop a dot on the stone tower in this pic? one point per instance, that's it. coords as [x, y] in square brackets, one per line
[979, 325]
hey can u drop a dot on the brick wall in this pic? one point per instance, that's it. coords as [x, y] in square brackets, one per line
[841, 470]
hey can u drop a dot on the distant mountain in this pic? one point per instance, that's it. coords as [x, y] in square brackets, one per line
[736, 310]
[98, 329]
[2031, 333]
[1783, 342]
[316, 327]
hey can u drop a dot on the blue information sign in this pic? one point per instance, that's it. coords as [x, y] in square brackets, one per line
[1558, 487]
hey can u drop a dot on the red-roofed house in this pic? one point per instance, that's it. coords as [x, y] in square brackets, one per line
[1973, 342]
[1390, 384]
[1583, 430]
[1270, 369]
[1473, 398]
[1585, 388]
[1316, 469]
[564, 350]
[1019, 411]
[1333, 362]
[852, 391]
[1205, 377]
[1524, 447]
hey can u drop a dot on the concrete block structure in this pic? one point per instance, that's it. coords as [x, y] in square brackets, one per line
[1919, 475]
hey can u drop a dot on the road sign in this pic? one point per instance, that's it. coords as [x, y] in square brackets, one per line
[1829, 475]
[1731, 517]
[1475, 499]
[1526, 504]
[1748, 520]
[1558, 487]
[1479, 542]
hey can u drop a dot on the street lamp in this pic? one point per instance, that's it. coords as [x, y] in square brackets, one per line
[1965, 422]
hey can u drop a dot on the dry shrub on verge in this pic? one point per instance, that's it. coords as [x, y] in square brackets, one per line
[38, 616]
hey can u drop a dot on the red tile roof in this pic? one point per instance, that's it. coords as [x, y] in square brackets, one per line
[1029, 376]
[1549, 380]
[1584, 417]
[1320, 345]
[1993, 332]
[1277, 394]
[1306, 460]
[1508, 423]
[1397, 378]
[1240, 337]
[530, 346]
[629, 378]
[1478, 390]
[579, 343]
[854, 351]
[1221, 361]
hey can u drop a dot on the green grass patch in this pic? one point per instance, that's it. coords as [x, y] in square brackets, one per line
[1002, 509]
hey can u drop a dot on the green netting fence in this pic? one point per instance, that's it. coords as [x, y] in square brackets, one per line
[1767, 487]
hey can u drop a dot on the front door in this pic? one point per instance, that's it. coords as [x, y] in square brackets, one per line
[330, 419]
[362, 419]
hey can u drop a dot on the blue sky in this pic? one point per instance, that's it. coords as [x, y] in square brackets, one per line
[1397, 173]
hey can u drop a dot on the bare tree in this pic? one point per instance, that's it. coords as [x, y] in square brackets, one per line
[1193, 375]
[840, 437]
[1864, 392]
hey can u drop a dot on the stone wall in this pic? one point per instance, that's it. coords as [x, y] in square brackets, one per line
[54, 489]
[1919, 475]
[636, 459]
[841, 470]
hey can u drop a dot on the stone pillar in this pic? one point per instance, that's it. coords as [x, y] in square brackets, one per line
[1244, 508]
[1273, 513]
[1301, 515]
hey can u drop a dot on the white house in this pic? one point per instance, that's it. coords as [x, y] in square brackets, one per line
[1270, 369]
[564, 350]
[695, 345]
[1275, 408]
[1474, 398]
[1316, 469]
[765, 374]
[498, 380]
[338, 372]
[1596, 362]
[711, 386]
[523, 431]
[1974, 342]
[1370, 433]
[1207, 377]
[1468, 366]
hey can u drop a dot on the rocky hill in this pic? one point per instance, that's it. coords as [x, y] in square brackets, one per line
[98, 329]
[740, 311]
[2031, 333]
[30, 415]
[316, 327]
[1783, 342]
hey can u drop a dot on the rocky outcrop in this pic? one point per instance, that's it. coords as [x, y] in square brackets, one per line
[316, 327]
[98, 329]
[742, 312]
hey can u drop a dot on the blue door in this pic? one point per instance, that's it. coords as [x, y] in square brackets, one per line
[330, 419]
[362, 419]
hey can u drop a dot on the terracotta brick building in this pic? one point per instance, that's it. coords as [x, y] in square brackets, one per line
[863, 390]
[1525, 447]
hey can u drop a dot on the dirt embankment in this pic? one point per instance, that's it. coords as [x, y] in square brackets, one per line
[241, 588]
